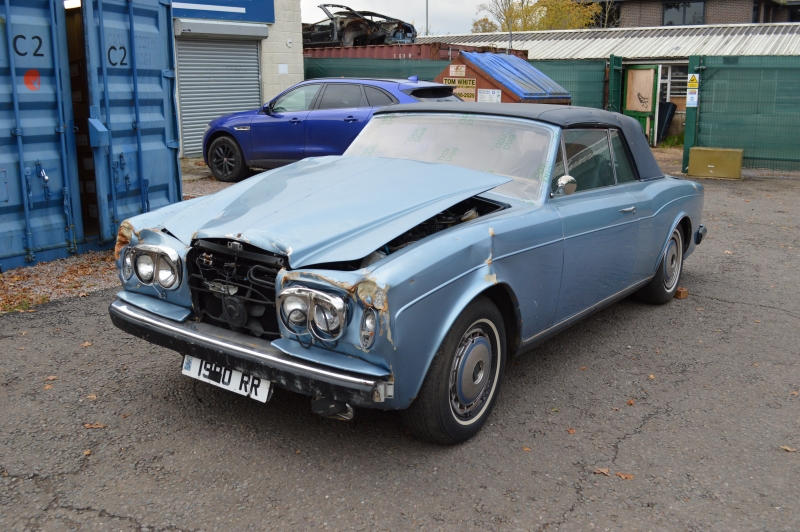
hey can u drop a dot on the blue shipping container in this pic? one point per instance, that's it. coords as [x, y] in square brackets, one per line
[126, 151]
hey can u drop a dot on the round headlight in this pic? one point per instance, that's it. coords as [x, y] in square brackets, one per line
[326, 318]
[369, 322]
[296, 310]
[166, 272]
[145, 268]
[127, 264]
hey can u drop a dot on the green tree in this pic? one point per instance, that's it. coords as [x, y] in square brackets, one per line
[484, 25]
[538, 15]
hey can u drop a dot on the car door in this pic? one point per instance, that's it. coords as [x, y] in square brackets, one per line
[278, 133]
[600, 229]
[340, 115]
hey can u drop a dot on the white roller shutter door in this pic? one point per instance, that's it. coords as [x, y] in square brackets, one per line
[215, 77]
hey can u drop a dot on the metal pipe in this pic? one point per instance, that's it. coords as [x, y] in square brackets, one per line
[62, 130]
[107, 104]
[17, 132]
[137, 125]
[427, 28]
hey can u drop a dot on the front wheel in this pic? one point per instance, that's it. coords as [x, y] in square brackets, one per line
[661, 289]
[225, 160]
[462, 383]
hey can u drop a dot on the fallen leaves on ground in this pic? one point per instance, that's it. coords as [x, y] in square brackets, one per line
[728, 252]
[22, 288]
[624, 476]
[555, 410]
[297, 451]
[570, 431]
[651, 377]
[794, 393]
[125, 415]
[52, 378]
[631, 402]
[94, 426]
[788, 449]
[91, 396]
[583, 368]
[526, 449]
[615, 409]
[48, 386]
[86, 344]
[602, 471]
[87, 452]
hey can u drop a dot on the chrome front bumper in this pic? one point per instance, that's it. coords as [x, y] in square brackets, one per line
[249, 355]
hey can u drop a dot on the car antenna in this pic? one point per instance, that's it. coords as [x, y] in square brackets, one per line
[413, 79]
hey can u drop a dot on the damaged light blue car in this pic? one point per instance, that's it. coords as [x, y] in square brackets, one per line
[405, 273]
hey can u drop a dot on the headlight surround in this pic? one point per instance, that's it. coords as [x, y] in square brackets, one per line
[127, 264]
[369, 325]
[303, 310]
[154, 265]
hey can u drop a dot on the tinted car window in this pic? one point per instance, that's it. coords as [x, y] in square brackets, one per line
[377, 98]
[622, 162]
[299, 99]
[340, 96]
[435, 94]
[588, 158]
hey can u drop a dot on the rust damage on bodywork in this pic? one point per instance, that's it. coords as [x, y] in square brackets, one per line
[124, 235]
[366, 290]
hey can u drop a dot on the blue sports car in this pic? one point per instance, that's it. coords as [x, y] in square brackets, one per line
[404, 274]
[313, 118]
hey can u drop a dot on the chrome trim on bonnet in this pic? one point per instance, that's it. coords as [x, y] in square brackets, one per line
[239, 344]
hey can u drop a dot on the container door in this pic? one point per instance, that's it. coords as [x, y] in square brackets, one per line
[132, 122]
[37, 163]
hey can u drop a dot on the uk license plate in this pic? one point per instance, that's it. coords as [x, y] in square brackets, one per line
[226, 378]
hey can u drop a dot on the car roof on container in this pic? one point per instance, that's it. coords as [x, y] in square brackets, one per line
[565, 116]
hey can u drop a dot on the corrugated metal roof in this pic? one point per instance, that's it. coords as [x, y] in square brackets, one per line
[525, 81]
[666, 42]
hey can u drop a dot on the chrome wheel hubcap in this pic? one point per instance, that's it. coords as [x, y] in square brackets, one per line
[672, 261]
[472, 374]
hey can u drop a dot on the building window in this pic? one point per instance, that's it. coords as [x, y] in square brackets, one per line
[684, 13]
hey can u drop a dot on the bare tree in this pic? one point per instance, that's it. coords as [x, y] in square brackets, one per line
[503, 11]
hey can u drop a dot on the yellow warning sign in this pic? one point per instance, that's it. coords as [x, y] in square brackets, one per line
[693, 82]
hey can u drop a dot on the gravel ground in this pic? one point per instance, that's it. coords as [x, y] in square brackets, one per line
[694, 400]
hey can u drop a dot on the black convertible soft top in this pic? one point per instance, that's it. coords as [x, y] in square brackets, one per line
[564, 116]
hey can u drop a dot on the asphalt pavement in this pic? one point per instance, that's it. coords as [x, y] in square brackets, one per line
[686, 407]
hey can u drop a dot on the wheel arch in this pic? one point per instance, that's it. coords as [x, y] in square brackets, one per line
[214, 136]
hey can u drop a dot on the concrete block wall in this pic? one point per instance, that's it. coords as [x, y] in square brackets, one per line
[729, 11]
[275, 51]
[645, 13]
[641, 13]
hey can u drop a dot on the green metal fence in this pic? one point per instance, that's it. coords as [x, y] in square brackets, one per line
[752, 103]
[372, 68]
[585, 80]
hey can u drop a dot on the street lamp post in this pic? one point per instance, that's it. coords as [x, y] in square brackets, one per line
[426, 18]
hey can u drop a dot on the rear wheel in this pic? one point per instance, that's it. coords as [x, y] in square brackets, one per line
[225, 160]
[661, 289]
[461, 386]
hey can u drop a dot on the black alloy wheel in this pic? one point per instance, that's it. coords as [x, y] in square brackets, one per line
[226, 160]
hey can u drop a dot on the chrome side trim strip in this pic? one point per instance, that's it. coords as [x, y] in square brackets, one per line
[247, 345]
[563, 324]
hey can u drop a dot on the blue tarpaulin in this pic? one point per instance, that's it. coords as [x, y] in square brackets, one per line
[517, 75]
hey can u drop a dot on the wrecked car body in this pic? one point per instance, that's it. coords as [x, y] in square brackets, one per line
[403, 274]
[347, 27]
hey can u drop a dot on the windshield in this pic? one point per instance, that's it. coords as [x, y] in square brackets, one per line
[515, 148]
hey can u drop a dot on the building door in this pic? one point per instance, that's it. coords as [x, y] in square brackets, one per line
[215, 78]
[640, 97]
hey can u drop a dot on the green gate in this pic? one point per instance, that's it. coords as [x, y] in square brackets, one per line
[751, 103]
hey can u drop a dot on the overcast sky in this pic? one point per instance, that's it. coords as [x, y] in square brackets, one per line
[444, 16]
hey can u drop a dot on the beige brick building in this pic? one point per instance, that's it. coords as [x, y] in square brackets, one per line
[647, 13]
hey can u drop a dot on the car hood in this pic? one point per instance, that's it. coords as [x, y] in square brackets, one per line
[329, 209]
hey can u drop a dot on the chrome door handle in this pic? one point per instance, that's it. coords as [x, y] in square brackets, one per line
[351, 119]
[295, 121]
[631, 210]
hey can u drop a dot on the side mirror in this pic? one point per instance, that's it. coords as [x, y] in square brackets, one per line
[566, 185]
[267, 108]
